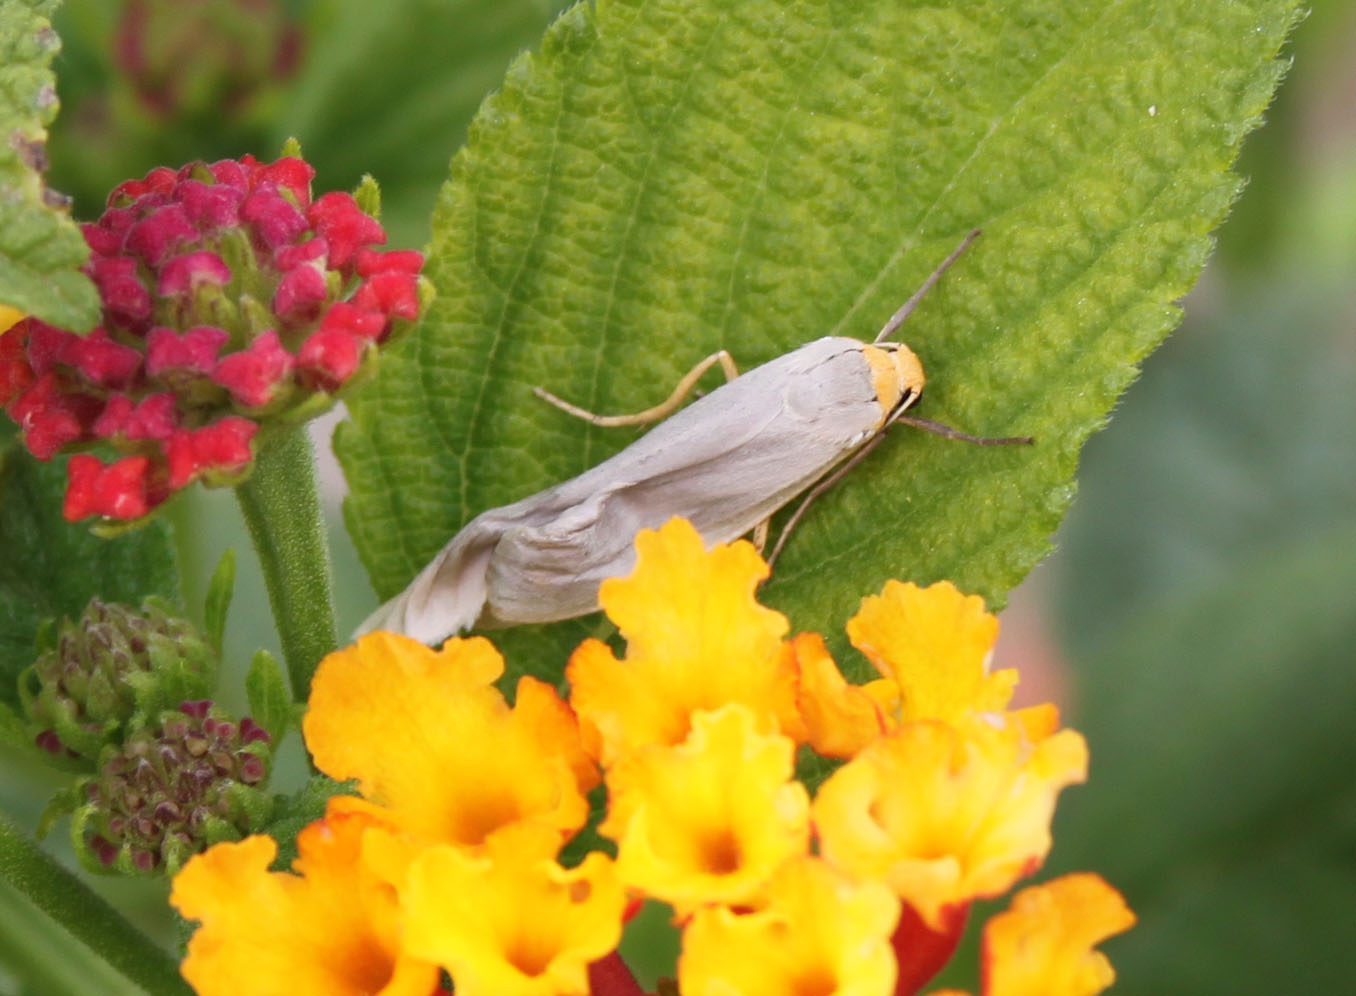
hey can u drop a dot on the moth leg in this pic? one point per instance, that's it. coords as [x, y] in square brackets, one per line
[842, 470]
[760, 532]
[660, 411]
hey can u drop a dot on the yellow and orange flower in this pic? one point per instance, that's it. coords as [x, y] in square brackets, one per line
[708, 820]
[946, 814]
[331, 929]
[510, 921]
[1043, 944]
[696, 639]
[449, 860]
[434, 746]
[817, 932]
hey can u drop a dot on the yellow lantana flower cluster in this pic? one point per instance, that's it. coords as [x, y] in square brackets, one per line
[448, 862]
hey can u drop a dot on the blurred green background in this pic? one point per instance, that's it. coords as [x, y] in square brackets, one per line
[1199, 618]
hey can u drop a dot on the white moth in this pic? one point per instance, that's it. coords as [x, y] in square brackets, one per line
[726, 462]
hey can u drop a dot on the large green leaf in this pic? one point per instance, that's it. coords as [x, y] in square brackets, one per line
[51, 568]
[41, 250]
[667, 178]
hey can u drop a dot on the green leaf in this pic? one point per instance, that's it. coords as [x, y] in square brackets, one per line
[668, 178]
[51, 568]
[1221, 799]
[218, 602]
[266, 689]
[41, 250]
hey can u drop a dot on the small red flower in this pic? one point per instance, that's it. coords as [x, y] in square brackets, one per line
[118, 491]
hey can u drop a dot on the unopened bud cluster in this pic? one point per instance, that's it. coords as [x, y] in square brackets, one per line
[230, 300]
[107, 666]
[174, 788]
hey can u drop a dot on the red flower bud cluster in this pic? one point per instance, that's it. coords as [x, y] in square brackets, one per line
[230, 299]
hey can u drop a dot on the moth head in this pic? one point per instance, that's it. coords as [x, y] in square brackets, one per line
[896, 374]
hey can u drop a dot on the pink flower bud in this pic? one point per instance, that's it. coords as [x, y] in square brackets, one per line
[337, 217]
[222, 448]
[194, 351]
[329, 357]
[371, 261]
[184, 274]
[52, 415]
[300, 294]
[358, 321]
[393, 293]
[154, 417]
[272, 216]
[100, 360]
[156, 236]
[210, 205]
[256, 373]
[125, 297]
[118, 491]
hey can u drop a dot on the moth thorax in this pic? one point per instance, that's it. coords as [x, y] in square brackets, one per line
[896, 374]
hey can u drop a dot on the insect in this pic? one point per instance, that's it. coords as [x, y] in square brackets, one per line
[726, 462]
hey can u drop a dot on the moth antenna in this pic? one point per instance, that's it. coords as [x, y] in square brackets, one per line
[906, 309]
[938, 429]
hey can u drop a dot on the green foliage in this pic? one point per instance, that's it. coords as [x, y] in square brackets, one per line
[41, 249]
[665, 179]
[218, 602]
[51, 568]
[270, 704]
[1221, 802]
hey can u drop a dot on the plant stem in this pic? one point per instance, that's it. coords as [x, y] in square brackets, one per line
[282, 509]
[87, 917]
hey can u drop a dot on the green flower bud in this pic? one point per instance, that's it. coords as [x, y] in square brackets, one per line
[113, 664]
[191, 780]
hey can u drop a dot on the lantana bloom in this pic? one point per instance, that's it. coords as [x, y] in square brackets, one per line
[696, 638]
[1043, 944]
[509, 920]
[946, 796]
[710, 819]
[444, 756]
[330, 927]
[944, 814]
[816, 933]
[232, 303]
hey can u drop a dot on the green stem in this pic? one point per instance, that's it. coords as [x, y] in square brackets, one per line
[83, 913]
[282, 509]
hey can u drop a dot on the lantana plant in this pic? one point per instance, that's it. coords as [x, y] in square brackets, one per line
[812, 792]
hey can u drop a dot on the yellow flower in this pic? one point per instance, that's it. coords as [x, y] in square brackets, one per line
[1043, 945]
[509, 920]
[435, 747]
[331, 929]
[9, 317]
[696, 639]
[710, 819]
[932, 648]
[817, 934]
[947, 814]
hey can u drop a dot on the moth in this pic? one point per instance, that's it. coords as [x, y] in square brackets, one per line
[727, 462]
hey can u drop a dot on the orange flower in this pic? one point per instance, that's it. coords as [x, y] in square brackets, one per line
[696, 639]
[510, 921]
[1043, 945]
[710, 819]
[932, 647]
[817, 934]
[435, 747]
[331, 929]
[945, 815]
